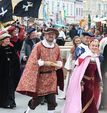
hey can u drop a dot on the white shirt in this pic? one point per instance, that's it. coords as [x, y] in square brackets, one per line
[62, 34]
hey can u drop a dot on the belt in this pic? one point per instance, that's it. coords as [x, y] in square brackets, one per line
[45, 72]
[88, 78]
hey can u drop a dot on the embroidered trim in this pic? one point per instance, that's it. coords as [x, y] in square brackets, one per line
[87, 105]
[88, 78]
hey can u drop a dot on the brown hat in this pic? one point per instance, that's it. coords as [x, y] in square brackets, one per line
[3, 35]
[50, 30]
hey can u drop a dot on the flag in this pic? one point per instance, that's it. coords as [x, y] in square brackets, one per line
[5, 10]
[27, 8]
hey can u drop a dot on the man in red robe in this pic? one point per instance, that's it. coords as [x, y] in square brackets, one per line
[39, 77]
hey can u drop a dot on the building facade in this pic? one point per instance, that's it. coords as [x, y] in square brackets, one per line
[97, 8]
[60, 11]
[63, 11]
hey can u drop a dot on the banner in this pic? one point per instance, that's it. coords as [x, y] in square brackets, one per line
[27, 8]
[5, 11]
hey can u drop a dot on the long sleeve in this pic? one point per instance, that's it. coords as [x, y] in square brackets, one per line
[21, 33]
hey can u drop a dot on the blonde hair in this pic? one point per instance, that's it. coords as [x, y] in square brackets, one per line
[95, 41]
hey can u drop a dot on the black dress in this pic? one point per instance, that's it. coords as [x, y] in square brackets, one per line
[9, 75]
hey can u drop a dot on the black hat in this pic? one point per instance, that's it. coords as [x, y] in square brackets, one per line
[50, 30]
[88, 34]
[30, 30]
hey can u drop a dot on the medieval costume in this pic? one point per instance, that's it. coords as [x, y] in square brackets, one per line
[9, 73]
[84, 74]
[38, 79]
[70, 62]
[83, 47]
[17, 37]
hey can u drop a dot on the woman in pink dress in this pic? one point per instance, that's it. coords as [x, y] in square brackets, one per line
[83, 94]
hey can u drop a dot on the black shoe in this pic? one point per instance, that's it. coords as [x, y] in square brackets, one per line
[45, 100]
[13, 104]
[9, 106]
[42, 102]
[56, 104]
[24, 111]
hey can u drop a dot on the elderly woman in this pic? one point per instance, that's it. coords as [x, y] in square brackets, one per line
[9, 71]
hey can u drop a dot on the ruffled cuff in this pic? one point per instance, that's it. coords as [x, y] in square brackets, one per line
[40, 62]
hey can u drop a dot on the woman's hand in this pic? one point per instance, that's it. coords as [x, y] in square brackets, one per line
[82, 88]
[101, 89]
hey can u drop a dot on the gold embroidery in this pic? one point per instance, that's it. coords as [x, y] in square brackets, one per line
[87, 105]
[88, 78]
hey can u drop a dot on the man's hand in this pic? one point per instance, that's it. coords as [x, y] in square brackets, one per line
[48, 63]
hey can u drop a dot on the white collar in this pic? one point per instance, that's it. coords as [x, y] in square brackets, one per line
[83, 45]
[46, 44]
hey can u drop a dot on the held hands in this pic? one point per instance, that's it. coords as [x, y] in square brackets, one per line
[49, 63]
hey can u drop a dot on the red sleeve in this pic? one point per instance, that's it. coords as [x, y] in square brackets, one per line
[21, 33]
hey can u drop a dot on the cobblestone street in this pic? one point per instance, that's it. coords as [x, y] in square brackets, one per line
[22, 105]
